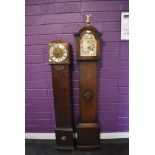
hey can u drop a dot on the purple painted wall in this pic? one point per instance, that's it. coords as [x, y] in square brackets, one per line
[48, 20]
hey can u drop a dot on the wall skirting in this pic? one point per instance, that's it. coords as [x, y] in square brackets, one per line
[111, 135]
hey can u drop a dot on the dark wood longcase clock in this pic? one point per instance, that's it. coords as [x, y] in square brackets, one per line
[88, 54]
[59, 59]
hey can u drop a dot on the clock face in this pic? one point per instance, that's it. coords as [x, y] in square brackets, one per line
[88, 45]
[57, 52]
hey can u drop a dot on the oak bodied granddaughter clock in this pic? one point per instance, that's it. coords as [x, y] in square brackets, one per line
[88, 54]
[59, 59]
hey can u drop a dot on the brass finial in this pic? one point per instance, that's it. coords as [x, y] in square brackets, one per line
[88, 19]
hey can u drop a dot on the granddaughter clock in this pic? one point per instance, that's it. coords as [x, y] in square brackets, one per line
[88, 54]
[59, 59]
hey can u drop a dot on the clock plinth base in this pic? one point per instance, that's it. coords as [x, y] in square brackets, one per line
[64, 147]
[87, 147]
[64, 138]
[88, 136]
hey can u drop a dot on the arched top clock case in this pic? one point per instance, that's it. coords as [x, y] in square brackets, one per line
[88, 43]
[88, 52]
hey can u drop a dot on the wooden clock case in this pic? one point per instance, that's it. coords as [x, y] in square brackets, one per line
[88, 128]
[61, 78]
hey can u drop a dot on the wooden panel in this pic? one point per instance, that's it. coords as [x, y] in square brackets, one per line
[62, 98]
[64, 138]
[88, 136]
[88, 91]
